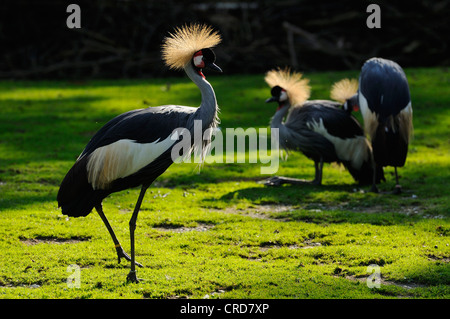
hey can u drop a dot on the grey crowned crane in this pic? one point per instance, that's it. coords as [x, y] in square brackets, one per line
[319, 129]
[134, 148]
[385, 103]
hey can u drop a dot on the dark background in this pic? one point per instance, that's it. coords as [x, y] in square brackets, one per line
[122, 39]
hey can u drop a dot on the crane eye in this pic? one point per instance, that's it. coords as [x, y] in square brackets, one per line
[276, 91]
[346, 105]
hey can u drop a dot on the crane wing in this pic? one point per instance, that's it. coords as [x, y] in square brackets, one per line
[132, 141]
[335, 125]
[337, 121]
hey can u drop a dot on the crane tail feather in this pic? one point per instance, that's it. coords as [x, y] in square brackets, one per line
[76, 196]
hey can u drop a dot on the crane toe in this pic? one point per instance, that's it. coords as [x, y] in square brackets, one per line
[122, 254]
[131, 277]
[273, 181]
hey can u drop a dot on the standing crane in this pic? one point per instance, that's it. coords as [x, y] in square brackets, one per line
[134, 148]
[320, 129]
[385, 103]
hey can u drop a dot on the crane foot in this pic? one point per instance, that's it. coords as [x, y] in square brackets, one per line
[122, 254]
[397, 190]
[374, 189]
[280, 180]
[274, 181]
[131, 277]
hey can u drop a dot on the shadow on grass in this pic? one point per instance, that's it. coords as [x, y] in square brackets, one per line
[20, 202]
[318, 204]
[43, 129]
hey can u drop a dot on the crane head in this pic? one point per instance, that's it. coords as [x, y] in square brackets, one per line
[278, 95]
[351, 104]
[205, 58]
[179, 47]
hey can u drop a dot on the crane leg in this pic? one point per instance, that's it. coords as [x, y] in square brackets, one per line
[120, 252]
[132, 274]
[319, 169]
[316, 172]
[398, 188]
[374, 188]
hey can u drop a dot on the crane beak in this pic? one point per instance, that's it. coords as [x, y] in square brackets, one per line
[213, 66]
[272, 99]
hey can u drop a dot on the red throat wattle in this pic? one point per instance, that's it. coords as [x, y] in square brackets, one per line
[201, 65]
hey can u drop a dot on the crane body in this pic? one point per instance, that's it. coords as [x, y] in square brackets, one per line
[321, 130]
[385, 103]
[134, 148]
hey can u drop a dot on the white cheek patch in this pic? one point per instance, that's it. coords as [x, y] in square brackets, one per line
[283, 96]
[121, 159]
[198, 61]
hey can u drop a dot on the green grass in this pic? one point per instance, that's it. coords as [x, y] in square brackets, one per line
[219, 232]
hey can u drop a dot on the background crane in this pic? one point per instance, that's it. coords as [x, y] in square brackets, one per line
[320, 129]
[134, 148]
[385, 103]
